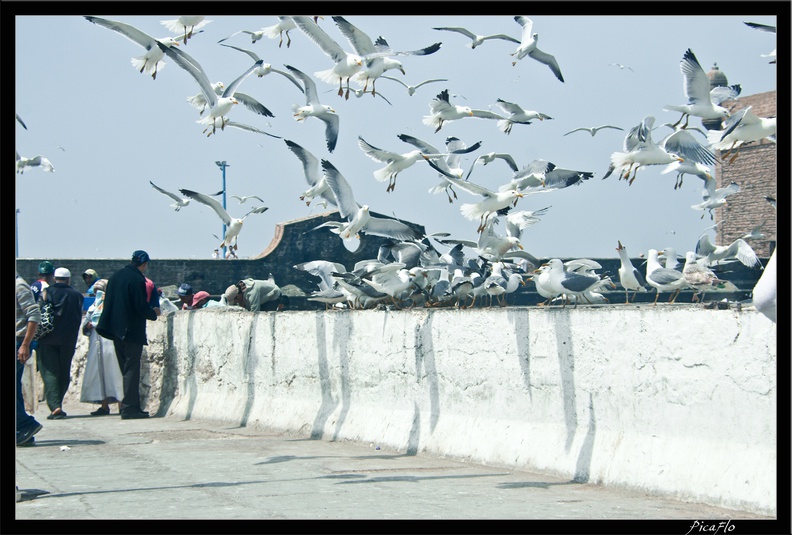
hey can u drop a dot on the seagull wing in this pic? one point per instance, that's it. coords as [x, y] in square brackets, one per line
[290, 77]
[422, 145]
[486, 114]
[389, 228]
[395, 80]
[127, 30]
[210, 202]
[463, 31]
[760, 27]
[311, 96]
[165, 192]
[309, 162]
[549, 60]
[682, 143]
[430, 81]
[250, 53]
[527, 27]
[697, 85]
[347, 207]
[249, 128]
[232, 87]
[376, 154]
[320, 37]
[508, 159]
[582, 128]
[194, 69]
[257, 210]
[501, 36]
[360, 41]
[509, 107]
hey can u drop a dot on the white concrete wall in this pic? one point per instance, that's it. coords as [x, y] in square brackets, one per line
[674, 401]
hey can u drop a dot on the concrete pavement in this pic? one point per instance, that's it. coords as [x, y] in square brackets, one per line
[91, 468]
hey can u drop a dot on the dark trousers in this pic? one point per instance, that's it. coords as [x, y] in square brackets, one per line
[54, 361]
[128, 355]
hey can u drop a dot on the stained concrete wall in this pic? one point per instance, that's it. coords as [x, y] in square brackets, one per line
[668, 400]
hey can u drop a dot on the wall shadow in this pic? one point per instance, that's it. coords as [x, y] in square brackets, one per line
[566, 367]
[327, 405]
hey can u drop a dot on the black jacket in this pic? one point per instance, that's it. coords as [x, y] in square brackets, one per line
[68, 306]
[126, 308]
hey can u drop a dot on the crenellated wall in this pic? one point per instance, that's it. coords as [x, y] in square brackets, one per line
[678, 401]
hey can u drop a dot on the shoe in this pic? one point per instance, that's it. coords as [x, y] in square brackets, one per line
[31, 442]
[27, 434]
[101, 411]
[57, 415]
[133, 415]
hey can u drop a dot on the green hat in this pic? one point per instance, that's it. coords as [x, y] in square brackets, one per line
[46, 268]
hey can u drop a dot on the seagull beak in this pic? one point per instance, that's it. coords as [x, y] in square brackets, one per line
[521, 247]
[470, 113]
[680, 159]
[235, 101]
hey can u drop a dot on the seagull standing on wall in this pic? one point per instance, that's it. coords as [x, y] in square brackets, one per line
[629, 277]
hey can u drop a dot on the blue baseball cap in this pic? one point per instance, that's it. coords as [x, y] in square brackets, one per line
[140, 257]
[185, 290]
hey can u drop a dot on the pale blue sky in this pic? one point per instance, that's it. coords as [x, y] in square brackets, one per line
[109, 130]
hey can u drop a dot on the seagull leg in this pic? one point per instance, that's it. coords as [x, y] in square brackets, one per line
[288, 39]
[340, 87]
[346, 97]
[657, 294]
[735, 156]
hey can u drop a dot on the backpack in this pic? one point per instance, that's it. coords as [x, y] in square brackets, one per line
[47, 323]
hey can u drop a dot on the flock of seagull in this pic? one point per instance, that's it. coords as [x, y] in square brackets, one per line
[409, 270]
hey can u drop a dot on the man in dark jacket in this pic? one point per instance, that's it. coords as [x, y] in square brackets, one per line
[56, 350]
[123, 321]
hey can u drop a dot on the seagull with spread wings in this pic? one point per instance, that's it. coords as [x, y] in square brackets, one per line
[243, 199]
[265, 68]
[475, 39]
[702, 101]
[516, 114]
[185, 25]
[219, 105]
[639, 151]
[316, 181]
[593, 129]
[180, 202]
[375, 65]
[396, 162]
[490, 157]
[358, 218]
[35, 161]
[741, 128]
[314, 108]
[151, 62]
[441, 110]
[528, 47]
[412, 88]
[233, 224]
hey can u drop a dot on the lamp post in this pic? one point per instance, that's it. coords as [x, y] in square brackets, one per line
[16, 233]
[222, 165]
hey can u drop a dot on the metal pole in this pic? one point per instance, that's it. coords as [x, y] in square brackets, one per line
[16, 235]
[222, 165]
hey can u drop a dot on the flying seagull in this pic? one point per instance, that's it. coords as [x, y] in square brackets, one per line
[233, 224]
[358, 218]
[151, 61]
[412, 88]
[516, 114]
[314, 108]
[265, 68]
[476, 40]
[702, 101]
[244, 198]
[441, 110]
[185, 25]
[316, 181]
[593, 129]
[219, 105]
[528, 47]
[375, 65]
[35, 161]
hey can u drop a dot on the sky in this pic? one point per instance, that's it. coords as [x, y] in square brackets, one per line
[108, 130]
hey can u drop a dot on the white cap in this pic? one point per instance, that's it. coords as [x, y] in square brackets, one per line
[62, 273]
